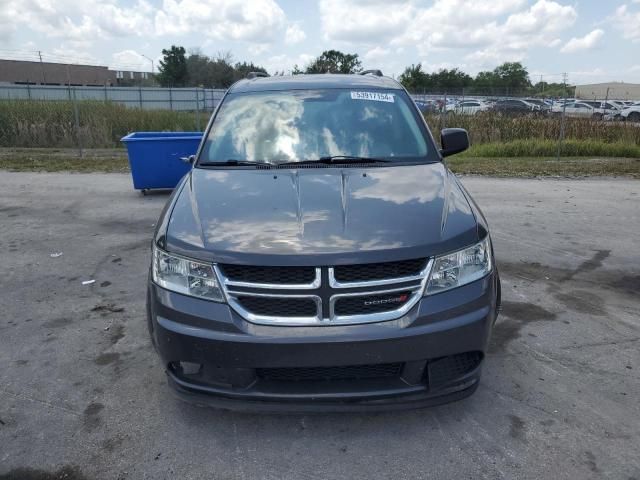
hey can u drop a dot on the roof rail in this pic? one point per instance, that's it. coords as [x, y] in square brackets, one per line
[251, 75]
[377, 73]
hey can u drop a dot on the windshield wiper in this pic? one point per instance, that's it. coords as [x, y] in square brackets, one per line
[232, 162]
[351, 159]
[337, 159]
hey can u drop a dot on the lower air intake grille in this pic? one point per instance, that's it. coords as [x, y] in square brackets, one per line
[269, 275]
[379, 271]
[449, 368]
[279, 307]
[350, 372]
[370, 304]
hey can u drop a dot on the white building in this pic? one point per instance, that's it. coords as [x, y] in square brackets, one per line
[611, 90]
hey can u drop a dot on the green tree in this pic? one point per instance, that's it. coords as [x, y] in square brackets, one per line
[173, 67]
[487, 83]
[513, 75]
[242, 69]
[413, 78]
[334, 61]
[545, 89]
[453, 80]
[199, 70]
[218, 72]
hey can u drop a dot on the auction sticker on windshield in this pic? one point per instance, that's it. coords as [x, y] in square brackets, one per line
[375, 96]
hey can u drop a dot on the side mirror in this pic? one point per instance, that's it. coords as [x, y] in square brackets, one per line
[190, 159]
[453, 140]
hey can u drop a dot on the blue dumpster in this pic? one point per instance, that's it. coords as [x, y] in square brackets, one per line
[154, 157]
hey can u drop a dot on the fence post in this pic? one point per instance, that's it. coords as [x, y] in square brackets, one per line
[106, 98]
[170, 100]
[140, 95]
[198, 110]
[76, 117]
[562, 120]
[443, 117]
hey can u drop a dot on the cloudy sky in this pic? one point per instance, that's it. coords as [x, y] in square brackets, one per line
[592, 40]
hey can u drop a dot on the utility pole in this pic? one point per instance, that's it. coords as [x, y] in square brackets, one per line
[562, 120]
[152, 69]
[151, 60]
[44, 78]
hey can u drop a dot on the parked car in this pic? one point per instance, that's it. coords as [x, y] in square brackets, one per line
[618, 103]
[514, 106]
[539, 105]
[574, 109]
[601, 109]
[469, 107]
[427, 106]
[320, 255]
[632, 113]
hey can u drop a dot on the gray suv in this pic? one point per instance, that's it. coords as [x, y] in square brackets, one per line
[321, 256]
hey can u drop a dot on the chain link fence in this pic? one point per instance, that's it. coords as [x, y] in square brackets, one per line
[146, 98]
[551, 124]
[97, 117]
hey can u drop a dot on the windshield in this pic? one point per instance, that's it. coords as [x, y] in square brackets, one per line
[292, 126]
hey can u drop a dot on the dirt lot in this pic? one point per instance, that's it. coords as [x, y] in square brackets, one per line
[83, 396]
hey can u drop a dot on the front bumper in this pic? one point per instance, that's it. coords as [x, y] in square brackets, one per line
[214, 357]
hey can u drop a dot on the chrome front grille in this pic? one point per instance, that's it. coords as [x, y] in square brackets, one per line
[337, 295]
[369, 272]
[276, 277]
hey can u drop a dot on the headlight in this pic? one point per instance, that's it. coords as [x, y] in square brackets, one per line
[185, 276]
[461, 267]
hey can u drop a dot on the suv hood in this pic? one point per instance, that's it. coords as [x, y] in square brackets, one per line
[345, 215]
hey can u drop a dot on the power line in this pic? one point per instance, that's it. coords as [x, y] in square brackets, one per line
[45, 57]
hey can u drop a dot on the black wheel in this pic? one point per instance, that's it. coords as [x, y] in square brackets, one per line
[634, 117]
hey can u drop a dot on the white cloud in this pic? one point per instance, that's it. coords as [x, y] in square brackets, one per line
[67, 54]
[627, 21]
[284, 63]
[498, 30]
[376, 53]
[365, 21]
[258, 48]
[589, 41]
[294, 34]
[249, 20]
[87, 20]
[130, 59]
[7, 25]
[79, 22]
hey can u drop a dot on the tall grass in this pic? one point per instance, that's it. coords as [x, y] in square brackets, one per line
[29, 123]
[548, 148]
[32, 123]
[490, 127]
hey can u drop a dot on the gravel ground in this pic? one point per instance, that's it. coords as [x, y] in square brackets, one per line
[83, 396]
